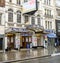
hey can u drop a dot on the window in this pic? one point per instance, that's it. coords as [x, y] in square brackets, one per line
[18, 17]
[45, 12]
[33, 20]
[10, 0]
[46, 24]
[38, 19]
[10, 15]
[18, 2]
[26, 19]
[48, 13]
[47, 2]
[50, 25]
[25, 0]
[37, 5]
[0, 17]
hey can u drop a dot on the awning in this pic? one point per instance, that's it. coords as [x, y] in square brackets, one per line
[51, 35]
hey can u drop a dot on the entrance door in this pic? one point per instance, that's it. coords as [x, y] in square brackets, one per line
[1, 43]
[24, 42]
[11, 41]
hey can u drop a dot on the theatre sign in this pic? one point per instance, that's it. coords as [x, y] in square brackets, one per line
[2, 3]
[29, 6]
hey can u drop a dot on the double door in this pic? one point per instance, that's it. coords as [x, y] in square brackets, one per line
[26, 40]
[11, 41]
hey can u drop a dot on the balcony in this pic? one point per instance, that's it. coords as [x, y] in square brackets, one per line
[48, 16]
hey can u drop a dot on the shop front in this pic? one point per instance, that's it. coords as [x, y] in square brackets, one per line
[49, 37]
[15, 38]
[12, 38]
[37, 37]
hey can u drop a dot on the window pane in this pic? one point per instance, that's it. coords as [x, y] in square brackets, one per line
[38, 19]
[33, 20]
[18, 16]
[18, 2]
[25, 0]
[26, 19]
[46, 24]
[10, 15]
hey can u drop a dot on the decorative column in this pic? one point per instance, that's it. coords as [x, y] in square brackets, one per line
[6, 41]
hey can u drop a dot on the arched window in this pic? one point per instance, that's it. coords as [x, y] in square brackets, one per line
[38, 20]
[10, 15]
[18, 17]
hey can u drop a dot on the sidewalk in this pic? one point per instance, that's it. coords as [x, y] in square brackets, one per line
[24, 54]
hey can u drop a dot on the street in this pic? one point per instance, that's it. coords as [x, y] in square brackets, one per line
[30, 55]
[54, 59]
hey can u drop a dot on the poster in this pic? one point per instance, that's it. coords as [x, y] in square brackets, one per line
[17, 40]
[34, 41]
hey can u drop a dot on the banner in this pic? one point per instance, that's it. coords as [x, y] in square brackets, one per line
[29, 6]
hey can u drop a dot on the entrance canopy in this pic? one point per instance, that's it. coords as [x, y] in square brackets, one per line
[51, 35]
[35, 28]
[12, 30]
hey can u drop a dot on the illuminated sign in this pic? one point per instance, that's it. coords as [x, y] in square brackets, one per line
[29, 6]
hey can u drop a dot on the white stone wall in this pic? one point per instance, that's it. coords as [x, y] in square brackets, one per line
[40, 11]
[2, 29]
[16, 7]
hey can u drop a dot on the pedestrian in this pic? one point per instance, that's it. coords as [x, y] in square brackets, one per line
[45, 43]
